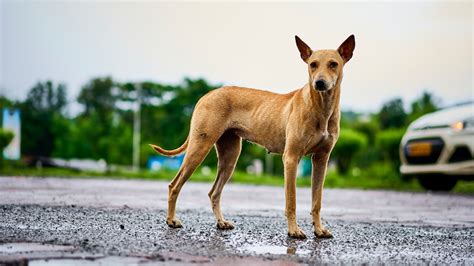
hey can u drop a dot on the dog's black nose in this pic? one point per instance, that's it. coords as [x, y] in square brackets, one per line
[320, 85]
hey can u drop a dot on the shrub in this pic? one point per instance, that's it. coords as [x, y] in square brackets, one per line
[388, 142]
[349, 144]
[368, 128]
[5, 138]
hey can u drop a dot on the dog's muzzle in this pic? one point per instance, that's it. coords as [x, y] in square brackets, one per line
[320, 85]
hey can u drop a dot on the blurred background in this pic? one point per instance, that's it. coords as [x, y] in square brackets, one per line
[85, 86]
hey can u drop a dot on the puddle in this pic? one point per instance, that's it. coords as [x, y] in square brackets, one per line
[103, 261]
[11, 248]
[276, 250]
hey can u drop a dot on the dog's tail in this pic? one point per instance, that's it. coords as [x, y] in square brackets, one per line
[171, 152]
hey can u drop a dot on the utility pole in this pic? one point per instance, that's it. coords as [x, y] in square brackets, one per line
[136, 128]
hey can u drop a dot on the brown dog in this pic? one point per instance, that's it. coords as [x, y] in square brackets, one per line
[304, 121]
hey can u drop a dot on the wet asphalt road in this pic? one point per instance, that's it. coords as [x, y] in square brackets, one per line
[122, 222]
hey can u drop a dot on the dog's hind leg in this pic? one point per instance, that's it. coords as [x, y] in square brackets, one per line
[228, 150]
[196, 152]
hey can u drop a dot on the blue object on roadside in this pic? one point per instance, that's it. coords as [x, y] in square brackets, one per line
[158, 162]
[304, 167]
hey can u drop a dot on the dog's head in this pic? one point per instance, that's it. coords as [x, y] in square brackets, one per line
[325, 66]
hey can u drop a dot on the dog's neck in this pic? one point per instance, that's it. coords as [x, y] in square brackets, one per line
[323, 104]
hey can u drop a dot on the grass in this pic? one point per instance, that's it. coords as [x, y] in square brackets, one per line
[379, 177]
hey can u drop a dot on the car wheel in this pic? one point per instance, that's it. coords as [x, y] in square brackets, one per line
[437, 182]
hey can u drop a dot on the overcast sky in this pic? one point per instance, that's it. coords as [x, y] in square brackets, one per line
[401, 48]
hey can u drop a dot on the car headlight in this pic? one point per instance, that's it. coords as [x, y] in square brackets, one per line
[458, 126]
[462, 125]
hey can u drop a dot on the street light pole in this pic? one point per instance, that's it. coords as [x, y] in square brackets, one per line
[136, 129]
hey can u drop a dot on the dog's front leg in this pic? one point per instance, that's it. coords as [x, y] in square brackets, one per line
[319, 164]
[290, 161]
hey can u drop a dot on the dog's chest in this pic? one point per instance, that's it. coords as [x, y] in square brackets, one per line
[315, 136]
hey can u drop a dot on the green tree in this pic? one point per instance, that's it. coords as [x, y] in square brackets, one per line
[392, 114]
[5, 102]
[98, 95]
[426, 103]
[107, 120]
[44, 101]
[102, 130]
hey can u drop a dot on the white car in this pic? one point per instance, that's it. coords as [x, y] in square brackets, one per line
[438, 148]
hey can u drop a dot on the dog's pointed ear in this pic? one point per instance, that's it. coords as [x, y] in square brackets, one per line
[305, 51]
[346, 48]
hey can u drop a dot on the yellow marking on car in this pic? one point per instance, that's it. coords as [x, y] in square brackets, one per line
[419, 149]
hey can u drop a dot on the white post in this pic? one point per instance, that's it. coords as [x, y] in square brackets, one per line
[136, 130]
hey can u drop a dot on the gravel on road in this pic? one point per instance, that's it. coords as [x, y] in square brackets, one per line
[122, 222]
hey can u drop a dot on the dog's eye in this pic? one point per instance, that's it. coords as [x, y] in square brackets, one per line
[313, 65]
[333, 65]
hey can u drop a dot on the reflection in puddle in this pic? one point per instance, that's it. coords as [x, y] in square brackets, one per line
[276, 250]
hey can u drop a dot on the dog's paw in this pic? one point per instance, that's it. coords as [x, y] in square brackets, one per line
[297, 233]
[225, 225]
[174, 223]
[322, 233]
